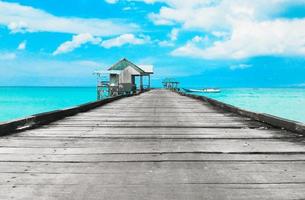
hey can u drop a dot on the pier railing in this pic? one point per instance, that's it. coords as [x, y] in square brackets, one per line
[40, 119]
[272, 120]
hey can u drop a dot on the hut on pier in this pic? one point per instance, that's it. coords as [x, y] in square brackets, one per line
[122, 78]
[171, 84]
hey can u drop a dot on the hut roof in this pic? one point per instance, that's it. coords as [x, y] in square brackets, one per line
[122, 64]
[170, 80]
[108, 72]
[149, 69]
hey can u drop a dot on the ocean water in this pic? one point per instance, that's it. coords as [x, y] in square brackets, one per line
[287, 103]
[18, 102]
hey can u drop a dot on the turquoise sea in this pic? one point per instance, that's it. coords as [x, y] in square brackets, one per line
[287, 103]
[17, 102]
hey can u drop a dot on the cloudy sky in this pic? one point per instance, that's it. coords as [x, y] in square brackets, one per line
[224, 43]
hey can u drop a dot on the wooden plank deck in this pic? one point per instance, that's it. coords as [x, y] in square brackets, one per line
[158, 145]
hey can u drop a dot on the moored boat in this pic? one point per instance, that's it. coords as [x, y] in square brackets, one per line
[205, 90]
[211, 90]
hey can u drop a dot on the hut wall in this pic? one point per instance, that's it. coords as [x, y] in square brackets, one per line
[126, 75]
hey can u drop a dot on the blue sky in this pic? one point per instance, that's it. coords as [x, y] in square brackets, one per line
[202, 43]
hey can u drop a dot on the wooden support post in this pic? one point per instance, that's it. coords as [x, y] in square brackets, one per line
[97, 93]
[148, 81]
[141, 83]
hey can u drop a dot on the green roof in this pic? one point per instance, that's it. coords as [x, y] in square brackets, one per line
[122, 64]
[170, 80]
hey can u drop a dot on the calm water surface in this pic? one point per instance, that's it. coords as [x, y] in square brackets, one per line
[283, 102]
[17, 102]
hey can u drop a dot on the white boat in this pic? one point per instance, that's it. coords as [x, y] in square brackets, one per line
[211, 90]
[205, 90]
[192, 90]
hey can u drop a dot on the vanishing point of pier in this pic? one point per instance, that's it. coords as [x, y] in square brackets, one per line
[156, 145]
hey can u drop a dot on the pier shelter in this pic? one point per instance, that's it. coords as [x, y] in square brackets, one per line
[122, 78]
[169, 83]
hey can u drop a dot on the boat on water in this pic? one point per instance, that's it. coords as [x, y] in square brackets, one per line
[211, 90]
[204, 90]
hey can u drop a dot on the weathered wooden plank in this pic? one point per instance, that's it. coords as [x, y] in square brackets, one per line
[156, 123]
[94, 191]
[208, 132]
[203, 146]
[160, 119]
[264, 171]
[135, 114]
[158, 145]
[186, 121]
[153, 135]
[153, 173]
[152, 157]
[189, 145]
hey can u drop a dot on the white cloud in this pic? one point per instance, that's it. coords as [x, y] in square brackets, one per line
[240, 66]
[241, 28]
[174, 34]
[112, 1]
[191, 48]
[158, 20]
[7, 56]
[76, 42]
[145, 1]
[298, 85]
[127, 8]
[212, 14]
[250, 39]
[198, 39]
[88, 63]
[81, 39]
[125, 39]
[220, 34]
[166, 43]
[22, 45]
[16, 27]
[51, 72]
[19, 18]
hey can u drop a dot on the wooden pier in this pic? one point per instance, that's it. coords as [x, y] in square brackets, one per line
[156, 145]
